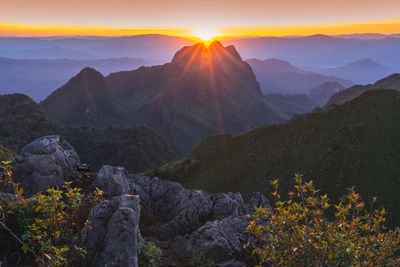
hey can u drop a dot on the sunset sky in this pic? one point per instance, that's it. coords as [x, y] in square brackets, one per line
[203, 18]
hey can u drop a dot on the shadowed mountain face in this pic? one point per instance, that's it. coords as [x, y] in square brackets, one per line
[203, 90]
[279, 76]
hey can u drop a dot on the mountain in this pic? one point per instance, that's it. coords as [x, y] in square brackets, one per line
[360, 71]
[279, 76]
[37, 78]
[292, 104]
[137, 147]
[390, 82]
[356, 143]
[150, 47]
[203, 90]
[321, 94]
[320, 50]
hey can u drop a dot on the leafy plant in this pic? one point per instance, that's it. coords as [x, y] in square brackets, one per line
[299, 232]
[150, 255]
[47, 224]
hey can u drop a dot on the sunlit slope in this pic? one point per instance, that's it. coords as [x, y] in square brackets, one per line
[356, 143]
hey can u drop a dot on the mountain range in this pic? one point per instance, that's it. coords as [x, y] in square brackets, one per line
[38, 78]
[203, 90]
[279, 76]
[362, 71]
[390, 82]
[352, 144]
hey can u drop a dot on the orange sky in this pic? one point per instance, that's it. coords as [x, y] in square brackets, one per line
[195, 17]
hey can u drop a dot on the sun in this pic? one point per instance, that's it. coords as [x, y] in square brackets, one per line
[205, 34]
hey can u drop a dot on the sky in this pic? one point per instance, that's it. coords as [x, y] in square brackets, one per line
[198, 17]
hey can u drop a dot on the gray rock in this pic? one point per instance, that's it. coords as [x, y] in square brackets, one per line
[183, 210]
[46, 162]
[112, 237]
[220, 240]
[112, 180]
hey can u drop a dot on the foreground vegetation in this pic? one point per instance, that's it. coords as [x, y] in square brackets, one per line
[356, 143]
[300, 231]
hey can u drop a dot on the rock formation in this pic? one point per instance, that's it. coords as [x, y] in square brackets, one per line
[46, 162]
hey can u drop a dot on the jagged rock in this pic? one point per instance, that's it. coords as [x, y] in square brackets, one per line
[183, 210]
[220, 240]
[112, 180]
[46, 162]
[113, 236]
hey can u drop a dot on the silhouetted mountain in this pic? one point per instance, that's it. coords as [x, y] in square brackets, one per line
[137, 148]
[279, 76]
[390, 82]
[203, 90]
[360, 71]
[321, 94]
[353, 144]
[39, 77]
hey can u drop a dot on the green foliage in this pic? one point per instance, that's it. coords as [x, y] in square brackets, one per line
[297, 232]
[47, 223]
[357, 143]
[150, 256]
[137, 148]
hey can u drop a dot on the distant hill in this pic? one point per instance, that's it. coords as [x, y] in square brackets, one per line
[356, 143]
[390, 82]
[360, 71]
[279, 76]
[292, 104]
[321, 94]
[151, 47]
[204, 90]
[320, 50]
[136, 147]
[37, 78]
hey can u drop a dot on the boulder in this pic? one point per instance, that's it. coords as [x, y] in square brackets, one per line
[112, 237]
[46, 162]
[220, 240]
[112, 180]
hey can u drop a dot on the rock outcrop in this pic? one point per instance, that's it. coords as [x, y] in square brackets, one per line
[112, 180]
[112, 237]
[46, 162]
[183, 210]
[220, 240]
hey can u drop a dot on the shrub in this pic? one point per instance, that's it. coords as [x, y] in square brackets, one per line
[150, 255]
[299, 231]
[47, 224]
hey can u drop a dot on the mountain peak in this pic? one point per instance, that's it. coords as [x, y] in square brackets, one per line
[89, 72]
[199, 54]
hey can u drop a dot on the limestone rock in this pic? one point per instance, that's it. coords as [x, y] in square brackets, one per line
[113, 236]
[112, 180]
[46, 162]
